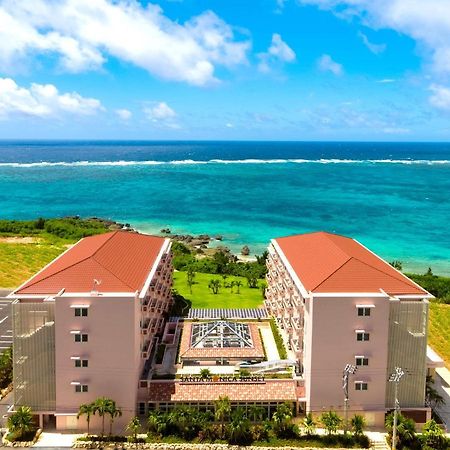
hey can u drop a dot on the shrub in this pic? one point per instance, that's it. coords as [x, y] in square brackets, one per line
[278, 339]
[358, 424]
[331, 421]
[406, 432]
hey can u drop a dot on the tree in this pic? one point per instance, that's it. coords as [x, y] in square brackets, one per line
[190, 277]
[263, 286]
[256, 412]
[252, 281]
[396, 264]
[214, 285]
[239, 428]
[331, 421]
[102, 407]
[113, 412]
[358, 424]
[432, 396]
[21, 422]
[134, 426]
[282, 420]
[238, 284]
[309, 424]
[157, 422]
[86, 409]
[406, 431]
[222, 411]
[433, 436]
[6, 368]
[205, 374]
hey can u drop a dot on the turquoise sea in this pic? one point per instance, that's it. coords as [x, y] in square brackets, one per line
[392, 197]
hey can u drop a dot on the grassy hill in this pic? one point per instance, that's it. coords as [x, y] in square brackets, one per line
[27, 246]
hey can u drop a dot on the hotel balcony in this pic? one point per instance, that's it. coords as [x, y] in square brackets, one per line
[145, 327]
[146, 349]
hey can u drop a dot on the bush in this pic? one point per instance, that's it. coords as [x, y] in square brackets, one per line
[278, 339]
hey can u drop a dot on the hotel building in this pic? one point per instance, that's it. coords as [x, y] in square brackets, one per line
[337, 303]
[84, 327]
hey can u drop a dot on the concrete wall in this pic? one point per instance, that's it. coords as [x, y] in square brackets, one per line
[112, 350]
[332, 343]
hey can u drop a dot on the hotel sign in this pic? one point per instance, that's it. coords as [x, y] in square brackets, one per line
[223, 379]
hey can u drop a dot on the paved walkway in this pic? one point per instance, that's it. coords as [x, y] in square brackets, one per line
[56, 440]
[269, 343]
[442, 385]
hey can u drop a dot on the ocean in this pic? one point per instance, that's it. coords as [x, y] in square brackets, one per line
[392, 197]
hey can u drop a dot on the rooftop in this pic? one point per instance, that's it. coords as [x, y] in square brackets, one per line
[326, 262]
[121, 261]
[271, 390]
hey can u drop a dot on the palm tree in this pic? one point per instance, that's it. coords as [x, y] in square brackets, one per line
[406, 430]
[214, 285]
[432, 396]
[222, 411]
[21, 421]
[238, 284]
[101, 407]
[190, 277]
[309, 424]
[239, 428]
[331, 421]
[113, 412]
[257, 413]
[205, 374]
[282, 419]
[86, 409]
[358, 423]
[134, 425]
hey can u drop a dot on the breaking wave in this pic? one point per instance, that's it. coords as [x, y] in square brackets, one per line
[426, 162]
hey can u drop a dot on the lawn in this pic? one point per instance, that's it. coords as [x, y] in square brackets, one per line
[18, 262]
[202, 297]
[439, 330]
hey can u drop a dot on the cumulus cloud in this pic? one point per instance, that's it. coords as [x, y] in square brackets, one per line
[124, 114]
[161, 115]
[84, 33]
[278, 51]
[427, 22]
[440, 97]
[326, 64]
[42, 100]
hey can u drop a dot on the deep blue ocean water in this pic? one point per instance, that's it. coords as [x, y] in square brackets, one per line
[392, 197]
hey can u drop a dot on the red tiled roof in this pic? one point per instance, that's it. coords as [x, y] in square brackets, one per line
[270, 390]
[122, 260]
[326, 262]
[186, 351]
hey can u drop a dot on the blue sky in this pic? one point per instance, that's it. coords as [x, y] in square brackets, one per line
[225, 69]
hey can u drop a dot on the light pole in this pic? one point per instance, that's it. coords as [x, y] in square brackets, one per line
[395, 377]
[348, 369]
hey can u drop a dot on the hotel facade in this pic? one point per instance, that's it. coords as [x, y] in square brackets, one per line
[92, 322]
[337, 303]
[84, 327]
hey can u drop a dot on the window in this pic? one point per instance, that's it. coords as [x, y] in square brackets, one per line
[361, 361]
[362, 336]
[81, 388]
[81, 312]
[364, 311]
[81, 337]
[361, 386]
[81, 363]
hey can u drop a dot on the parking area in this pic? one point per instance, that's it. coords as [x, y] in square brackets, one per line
[5, 321]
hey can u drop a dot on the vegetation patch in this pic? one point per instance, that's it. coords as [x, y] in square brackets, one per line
[278, 339]
[203, 296]
[439, 330]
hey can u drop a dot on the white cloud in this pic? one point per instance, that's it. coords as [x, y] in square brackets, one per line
[374, 48]
[326, 64]
[42, 100]
[229, 125]
[427, 22]
[84, 33]
[124, 114]
[386, 80]
[440, 97]
[278, 51]
[161, 115]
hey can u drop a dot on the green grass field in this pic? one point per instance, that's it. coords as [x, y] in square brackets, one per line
[202, 297]
[439, 330]
[18, 262]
